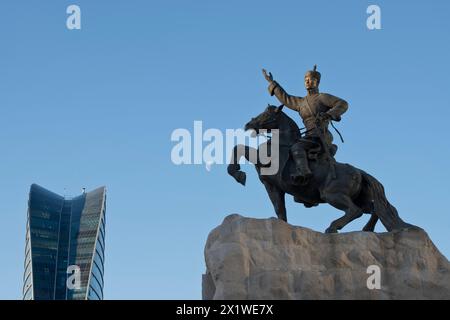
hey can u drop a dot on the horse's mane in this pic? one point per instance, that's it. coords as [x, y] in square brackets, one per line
[290, 122]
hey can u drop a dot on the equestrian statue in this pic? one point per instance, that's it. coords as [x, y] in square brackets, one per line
[307, 168]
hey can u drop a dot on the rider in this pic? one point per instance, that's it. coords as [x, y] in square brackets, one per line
[316, 110]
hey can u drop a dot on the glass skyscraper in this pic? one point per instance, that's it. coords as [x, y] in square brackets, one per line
[65, 246]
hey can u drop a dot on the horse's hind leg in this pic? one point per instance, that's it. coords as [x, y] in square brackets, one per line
[370, 226]
[344, 203]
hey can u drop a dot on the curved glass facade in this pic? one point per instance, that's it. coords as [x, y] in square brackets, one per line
[62, 236]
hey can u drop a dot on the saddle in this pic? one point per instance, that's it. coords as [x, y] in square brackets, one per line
[314, 152]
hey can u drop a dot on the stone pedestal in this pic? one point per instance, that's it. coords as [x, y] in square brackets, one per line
[270, 259]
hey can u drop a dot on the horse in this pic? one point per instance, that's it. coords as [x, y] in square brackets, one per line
[346, 187]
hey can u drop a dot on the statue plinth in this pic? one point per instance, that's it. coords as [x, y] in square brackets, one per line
[271, 259]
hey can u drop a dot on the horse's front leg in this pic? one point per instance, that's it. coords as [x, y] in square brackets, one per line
[234, 168]
[277, 197]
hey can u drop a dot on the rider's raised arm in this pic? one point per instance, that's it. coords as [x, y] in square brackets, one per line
[292, 102]
[337, 106]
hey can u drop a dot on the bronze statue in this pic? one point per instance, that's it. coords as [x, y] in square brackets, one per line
[316, 109]
[322, 180]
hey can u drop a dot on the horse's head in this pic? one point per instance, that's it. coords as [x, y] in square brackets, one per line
[267, 120]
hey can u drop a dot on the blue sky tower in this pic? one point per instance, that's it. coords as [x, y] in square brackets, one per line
[65, 245]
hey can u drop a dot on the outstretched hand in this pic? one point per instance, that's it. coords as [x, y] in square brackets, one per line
[269, 76]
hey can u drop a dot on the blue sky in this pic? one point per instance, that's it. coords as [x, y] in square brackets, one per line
[97, 107]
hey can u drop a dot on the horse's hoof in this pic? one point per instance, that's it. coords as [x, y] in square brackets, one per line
[241, 177]
[331, 230]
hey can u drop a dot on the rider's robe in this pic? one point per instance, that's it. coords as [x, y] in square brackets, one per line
[310, 107]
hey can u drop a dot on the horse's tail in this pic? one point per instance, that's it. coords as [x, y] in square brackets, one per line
[381, 206]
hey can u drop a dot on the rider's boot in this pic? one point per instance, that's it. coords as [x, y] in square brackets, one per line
[303, 173]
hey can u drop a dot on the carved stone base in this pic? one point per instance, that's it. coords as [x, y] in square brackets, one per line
[270, 259]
